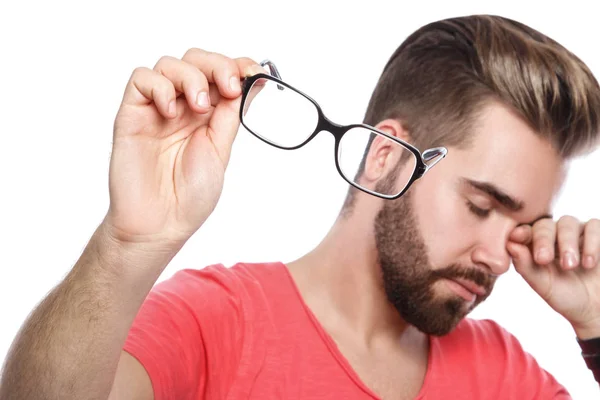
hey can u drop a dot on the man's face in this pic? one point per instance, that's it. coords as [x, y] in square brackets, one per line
[442, 245]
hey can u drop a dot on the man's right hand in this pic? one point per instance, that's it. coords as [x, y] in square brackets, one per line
[172, 141]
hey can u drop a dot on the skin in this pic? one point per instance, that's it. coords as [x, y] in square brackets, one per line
[167, 164]
[170, 152]
[450, 198]
[389, 254]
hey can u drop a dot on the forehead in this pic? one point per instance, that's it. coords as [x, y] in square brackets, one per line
[506, 152]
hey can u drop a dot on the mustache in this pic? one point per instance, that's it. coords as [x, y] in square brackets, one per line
[473, 274]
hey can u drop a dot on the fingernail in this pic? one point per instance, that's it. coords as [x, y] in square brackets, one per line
[259, 70]
[202, 100]
[234, 84]
[570, 260]
[589, 262]
[254, 70]
[172, 109]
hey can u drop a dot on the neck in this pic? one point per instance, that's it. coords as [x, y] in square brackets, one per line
[340, 280]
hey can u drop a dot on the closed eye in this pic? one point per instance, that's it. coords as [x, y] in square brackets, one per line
[479, 212]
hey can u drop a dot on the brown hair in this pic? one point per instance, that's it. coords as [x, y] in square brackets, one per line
[436, 82]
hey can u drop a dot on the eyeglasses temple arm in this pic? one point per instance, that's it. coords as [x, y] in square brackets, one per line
[273, 71]
[272, 67]
[433, 156]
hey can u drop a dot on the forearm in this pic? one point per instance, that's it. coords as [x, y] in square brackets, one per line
[70, 345]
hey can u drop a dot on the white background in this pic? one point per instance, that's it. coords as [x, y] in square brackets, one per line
[63, 70]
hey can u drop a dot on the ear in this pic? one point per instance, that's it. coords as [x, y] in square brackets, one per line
[394, 127]
[381, 157]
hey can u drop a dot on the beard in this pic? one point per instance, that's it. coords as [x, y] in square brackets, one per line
[408, 278]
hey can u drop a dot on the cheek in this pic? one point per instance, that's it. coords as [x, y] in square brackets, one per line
[445, 224]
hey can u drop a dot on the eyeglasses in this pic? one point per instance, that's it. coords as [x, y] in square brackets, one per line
[284, 117]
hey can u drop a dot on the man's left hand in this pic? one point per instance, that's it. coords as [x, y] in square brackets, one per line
[560, 261]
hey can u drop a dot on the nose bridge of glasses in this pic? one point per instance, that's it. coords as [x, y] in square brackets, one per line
[325, 124]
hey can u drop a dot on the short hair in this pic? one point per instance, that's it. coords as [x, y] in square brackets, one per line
[438, 80]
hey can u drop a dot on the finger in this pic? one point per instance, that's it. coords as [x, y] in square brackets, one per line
[522, 234]
[146, 86]
[544, 241]
[186, 79]
[218, 69]
[248, 67]
[224, 123]
[223, 127]
[568, 231]
[225, 120]
[591, 243]
[522, 259]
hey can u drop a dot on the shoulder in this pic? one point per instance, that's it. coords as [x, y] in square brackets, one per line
[488, 353]
[219, 278]
[195, 329]
[477, 343]
[217, 290]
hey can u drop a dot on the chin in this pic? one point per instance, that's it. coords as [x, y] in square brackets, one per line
[440, 315]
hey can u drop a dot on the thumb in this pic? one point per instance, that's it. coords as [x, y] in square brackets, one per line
[535, 275]
[225, 120]
[522, 259]
[223, 126]
[522, 234]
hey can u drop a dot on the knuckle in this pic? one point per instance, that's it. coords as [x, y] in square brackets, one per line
[168, 86]
[163, 61]
[565, 234]
[232, 66]
[543, 238]
[591, 248]
[545, 223]
[543, 234]
[542, 230]
[592, 237]
[193, 52]
[226, 64]
[140, 71]
[567, 220]
[593, 224]
[193, 75]
[246, 60]
[162, 84]
[568, 227]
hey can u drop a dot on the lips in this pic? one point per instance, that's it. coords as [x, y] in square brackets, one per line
[471, 286]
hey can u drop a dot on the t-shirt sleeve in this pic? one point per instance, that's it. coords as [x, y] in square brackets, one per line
[187, 334]
[523, 377]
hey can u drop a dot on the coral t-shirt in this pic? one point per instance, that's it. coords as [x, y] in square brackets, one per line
[245, 333]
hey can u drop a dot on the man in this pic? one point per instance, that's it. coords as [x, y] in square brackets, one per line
[377, 309]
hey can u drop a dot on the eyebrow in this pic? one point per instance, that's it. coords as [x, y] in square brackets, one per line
[501, 197]
[493, 191]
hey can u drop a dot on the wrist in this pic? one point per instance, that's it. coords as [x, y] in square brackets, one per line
[590, 350]
[130, 259]
[587, 331]
[133, 236]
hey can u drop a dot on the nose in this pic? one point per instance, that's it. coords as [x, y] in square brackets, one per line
[492, 254]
